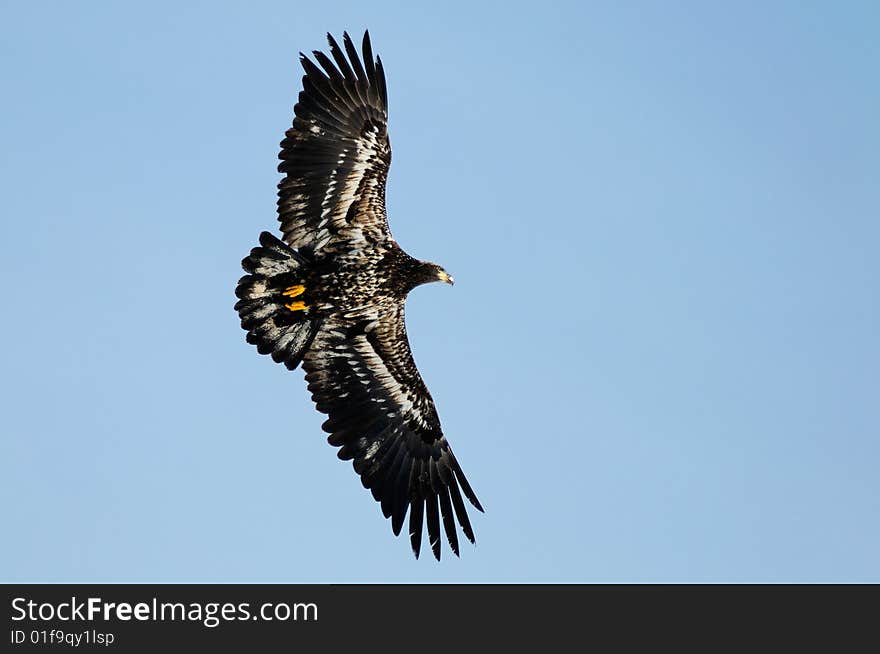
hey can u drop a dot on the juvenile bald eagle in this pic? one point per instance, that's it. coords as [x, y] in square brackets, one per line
[331, 294]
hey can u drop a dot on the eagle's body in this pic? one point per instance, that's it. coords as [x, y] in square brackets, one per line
[384, 273]
[331, 295]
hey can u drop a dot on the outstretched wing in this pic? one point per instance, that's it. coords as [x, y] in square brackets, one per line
[336, 155]
[362, 374]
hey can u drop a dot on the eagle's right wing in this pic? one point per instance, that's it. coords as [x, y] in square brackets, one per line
[362, 374]
[336, 155]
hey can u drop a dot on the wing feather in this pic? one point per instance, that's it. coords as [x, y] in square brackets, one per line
[433, 516]
[340, 59]
[417, 507]
[354, 58]
[448, 518]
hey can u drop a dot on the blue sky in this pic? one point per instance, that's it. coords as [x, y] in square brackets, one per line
[659, 361]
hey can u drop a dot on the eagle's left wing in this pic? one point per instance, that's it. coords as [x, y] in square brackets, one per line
[361, 373]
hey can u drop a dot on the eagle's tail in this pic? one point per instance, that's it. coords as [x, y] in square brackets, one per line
[274, 301]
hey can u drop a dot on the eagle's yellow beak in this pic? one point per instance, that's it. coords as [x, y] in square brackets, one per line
[444, 276]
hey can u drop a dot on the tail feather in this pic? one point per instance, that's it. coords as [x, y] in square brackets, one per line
[263, 308]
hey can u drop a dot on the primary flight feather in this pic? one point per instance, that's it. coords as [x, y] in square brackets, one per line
[330, 296]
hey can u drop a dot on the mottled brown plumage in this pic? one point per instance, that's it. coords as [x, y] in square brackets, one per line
[331, 295]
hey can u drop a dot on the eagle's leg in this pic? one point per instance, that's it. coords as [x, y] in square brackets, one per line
[295, 291]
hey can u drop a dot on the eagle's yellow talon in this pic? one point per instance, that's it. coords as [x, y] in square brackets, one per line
[294, 291]
[296, 306]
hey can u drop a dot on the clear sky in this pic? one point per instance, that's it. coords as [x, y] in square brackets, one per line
[660, 359]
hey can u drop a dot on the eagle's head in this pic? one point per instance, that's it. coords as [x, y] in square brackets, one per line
[435, 273]
[416, 273]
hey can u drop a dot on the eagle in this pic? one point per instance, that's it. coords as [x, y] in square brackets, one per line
[329, 296]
